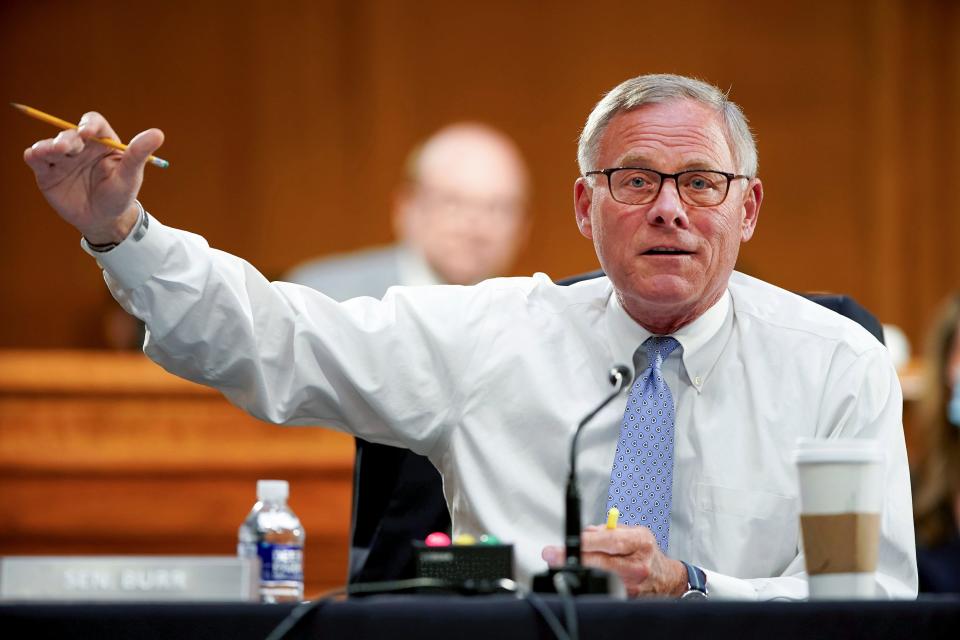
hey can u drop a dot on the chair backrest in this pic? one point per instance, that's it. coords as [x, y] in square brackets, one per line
[398, 495]
[847, 306]
[397, 498]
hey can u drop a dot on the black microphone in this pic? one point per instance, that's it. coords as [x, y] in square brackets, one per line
[585, 580]
[620, 377]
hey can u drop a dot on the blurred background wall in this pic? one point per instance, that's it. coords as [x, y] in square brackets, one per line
[287, 124]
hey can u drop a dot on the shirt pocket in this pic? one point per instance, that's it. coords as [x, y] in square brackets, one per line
[744, 532]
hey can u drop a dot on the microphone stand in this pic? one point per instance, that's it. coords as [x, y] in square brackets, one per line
[576, 578]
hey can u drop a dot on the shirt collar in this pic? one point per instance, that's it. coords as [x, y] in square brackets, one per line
[702, 340]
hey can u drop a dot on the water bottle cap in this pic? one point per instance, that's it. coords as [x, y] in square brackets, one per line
[272, 490]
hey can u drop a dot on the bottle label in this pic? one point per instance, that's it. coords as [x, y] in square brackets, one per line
[280, 562]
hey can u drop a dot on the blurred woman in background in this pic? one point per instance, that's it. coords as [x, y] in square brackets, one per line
[936, 486]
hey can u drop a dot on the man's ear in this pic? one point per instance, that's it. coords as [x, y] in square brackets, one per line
[582, 201]
[751, 209]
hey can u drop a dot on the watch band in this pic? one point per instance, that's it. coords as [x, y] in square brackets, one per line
[696, 580]
[138, 231]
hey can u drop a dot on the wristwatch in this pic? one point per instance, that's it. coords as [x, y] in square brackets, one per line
[696, 583]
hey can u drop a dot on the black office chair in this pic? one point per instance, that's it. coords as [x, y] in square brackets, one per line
[397, 498]
[398, 495]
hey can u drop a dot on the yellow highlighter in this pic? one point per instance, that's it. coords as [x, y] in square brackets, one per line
[613, 515]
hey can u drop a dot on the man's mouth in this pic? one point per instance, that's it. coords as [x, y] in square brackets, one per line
[666, 251]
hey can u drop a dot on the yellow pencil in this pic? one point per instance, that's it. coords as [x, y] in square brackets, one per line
[63, 124]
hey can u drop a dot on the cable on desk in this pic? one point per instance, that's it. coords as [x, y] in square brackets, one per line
[569, 605]
[535, 601]
[469, 587]
[294, 617]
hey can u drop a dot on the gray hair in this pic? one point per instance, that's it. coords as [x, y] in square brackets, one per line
[663, 87]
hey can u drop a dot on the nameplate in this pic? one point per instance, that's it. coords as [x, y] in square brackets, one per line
[130, 578]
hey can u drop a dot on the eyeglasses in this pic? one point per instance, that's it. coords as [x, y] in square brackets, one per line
[451, 203]
[697, 187]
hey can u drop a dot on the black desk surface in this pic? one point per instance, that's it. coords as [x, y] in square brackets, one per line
[498, 617]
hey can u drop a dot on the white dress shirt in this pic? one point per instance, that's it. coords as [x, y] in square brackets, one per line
[489, 382]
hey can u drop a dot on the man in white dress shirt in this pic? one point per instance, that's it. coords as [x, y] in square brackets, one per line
[488, 380]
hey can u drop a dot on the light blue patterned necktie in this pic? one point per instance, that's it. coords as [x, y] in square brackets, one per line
[641, 481]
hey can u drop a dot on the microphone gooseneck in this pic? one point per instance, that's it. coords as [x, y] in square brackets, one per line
[621, 377]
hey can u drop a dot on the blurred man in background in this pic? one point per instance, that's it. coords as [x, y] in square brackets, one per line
[460, 218]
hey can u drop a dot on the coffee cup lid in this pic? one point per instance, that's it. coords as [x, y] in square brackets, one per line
[812, 450]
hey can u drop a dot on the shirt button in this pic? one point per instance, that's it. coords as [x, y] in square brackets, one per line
[698, 381]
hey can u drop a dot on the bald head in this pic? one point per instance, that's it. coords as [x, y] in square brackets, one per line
[464, 207]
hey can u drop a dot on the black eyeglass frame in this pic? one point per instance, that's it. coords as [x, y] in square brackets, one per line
[663, 178]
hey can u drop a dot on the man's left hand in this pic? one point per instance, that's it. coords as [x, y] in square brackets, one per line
[633, 554]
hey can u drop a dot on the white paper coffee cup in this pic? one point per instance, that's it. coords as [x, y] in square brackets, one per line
[840, 507]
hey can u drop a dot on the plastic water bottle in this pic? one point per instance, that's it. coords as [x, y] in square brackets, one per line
[273, 533]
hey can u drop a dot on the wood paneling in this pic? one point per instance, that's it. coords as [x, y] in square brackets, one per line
[287, 124]
[105, 453]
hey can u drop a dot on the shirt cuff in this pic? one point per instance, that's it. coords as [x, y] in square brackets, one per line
[138, 256]
[723, 587]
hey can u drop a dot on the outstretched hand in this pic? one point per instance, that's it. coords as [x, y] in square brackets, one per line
[633, 554]
[91, 186]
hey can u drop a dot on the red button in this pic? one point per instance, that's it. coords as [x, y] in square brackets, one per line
[437, 539]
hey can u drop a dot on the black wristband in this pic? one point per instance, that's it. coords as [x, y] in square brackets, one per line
[137, 231]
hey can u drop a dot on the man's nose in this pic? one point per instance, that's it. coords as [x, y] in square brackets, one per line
[668, 209]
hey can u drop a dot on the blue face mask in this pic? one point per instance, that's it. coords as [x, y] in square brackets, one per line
[953, 408]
